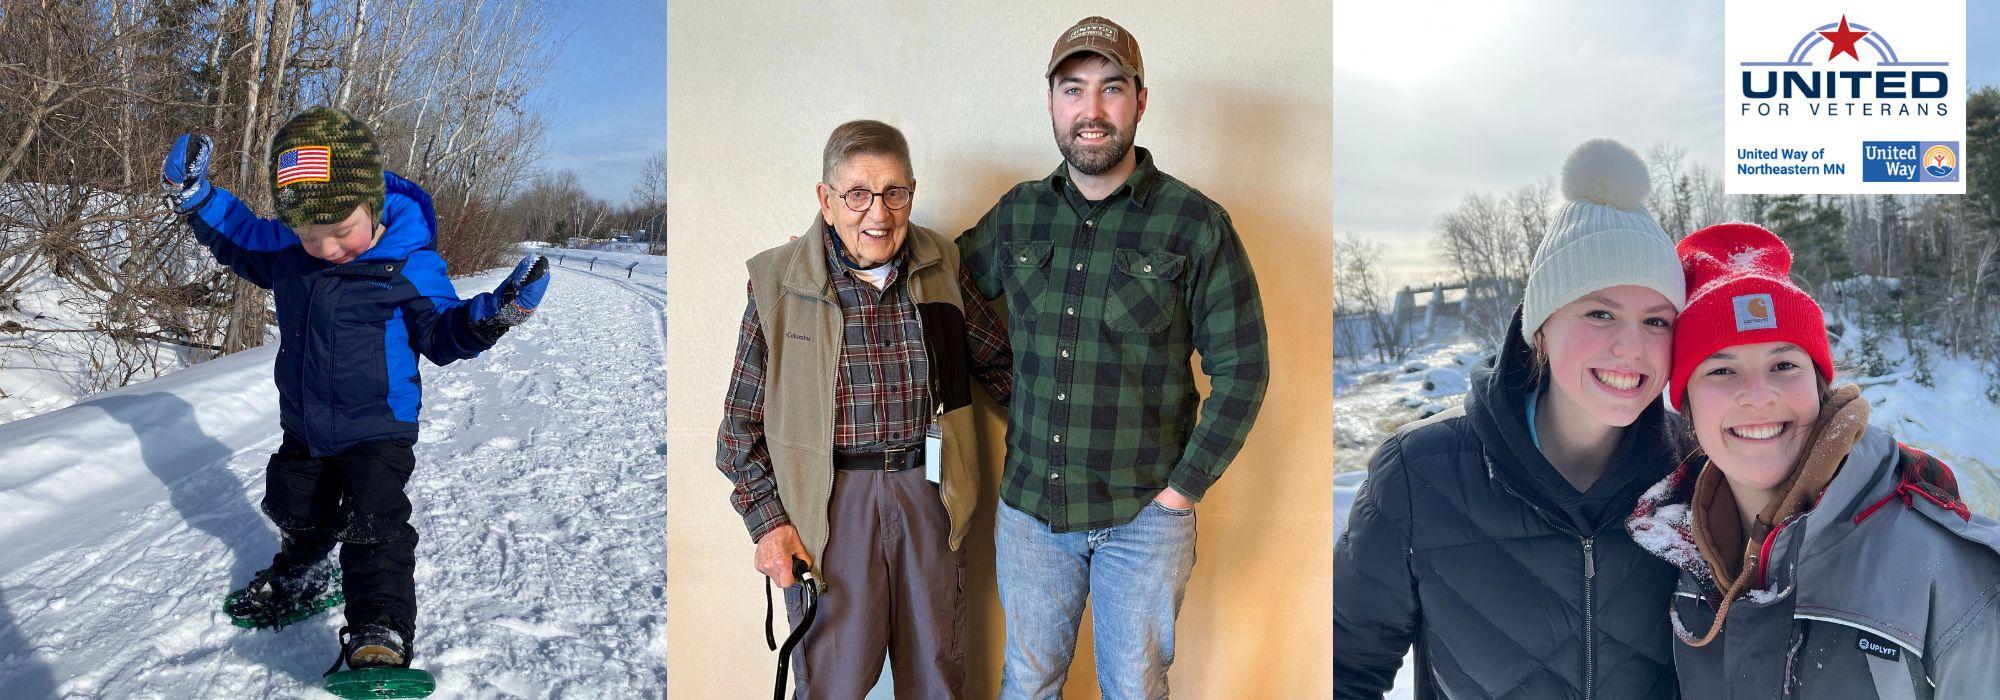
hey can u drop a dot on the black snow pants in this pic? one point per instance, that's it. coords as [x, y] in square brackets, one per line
[354, 498]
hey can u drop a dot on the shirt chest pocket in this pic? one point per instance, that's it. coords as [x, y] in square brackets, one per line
[1144, 295]
[1028, 277]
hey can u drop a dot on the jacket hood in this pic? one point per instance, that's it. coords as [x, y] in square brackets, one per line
[1497, 407]
[410, 224]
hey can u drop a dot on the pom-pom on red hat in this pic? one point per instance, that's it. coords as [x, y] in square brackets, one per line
[1740, 292]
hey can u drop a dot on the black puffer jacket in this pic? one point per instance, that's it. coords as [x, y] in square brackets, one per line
[1466, 542]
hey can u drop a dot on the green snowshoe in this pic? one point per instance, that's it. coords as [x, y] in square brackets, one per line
[378, 660]
[381, 683]
[274, 599]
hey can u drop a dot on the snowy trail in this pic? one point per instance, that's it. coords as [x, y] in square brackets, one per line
[539, 496]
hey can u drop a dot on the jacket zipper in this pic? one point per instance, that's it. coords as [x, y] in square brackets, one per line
[832, 427]
[935, 408]
[1589, 545]
[306, 325]
[1589, 617]
[1792, 656]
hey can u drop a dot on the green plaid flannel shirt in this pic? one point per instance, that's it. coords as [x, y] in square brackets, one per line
[1107, 303]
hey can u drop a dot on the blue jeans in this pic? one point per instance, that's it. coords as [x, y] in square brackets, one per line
[1138, 572]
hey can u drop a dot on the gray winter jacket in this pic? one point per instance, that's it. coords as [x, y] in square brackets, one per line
[1887, 588]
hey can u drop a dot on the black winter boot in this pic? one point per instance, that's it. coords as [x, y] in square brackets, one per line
[374, 646]
[281, 595]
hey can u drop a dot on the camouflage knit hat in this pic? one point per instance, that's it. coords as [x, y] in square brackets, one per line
[326, 165]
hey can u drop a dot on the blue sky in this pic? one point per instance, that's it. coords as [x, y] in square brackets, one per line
[1494, 95]
[1982, 52]
[606, 96]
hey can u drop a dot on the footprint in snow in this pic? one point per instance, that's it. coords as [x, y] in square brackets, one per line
[503, 443]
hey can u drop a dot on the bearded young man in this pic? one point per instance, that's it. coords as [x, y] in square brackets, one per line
[1115, 273]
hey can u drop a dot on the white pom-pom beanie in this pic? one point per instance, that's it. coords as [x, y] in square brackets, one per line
[1602, 238]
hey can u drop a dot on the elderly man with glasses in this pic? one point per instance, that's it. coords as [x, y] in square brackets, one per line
[847, 430]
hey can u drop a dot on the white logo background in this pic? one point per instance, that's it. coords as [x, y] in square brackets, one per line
[1768, 30]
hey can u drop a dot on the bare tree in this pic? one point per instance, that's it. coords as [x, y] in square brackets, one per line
[1672, 199]
[260, 36]
[1360, 291]
[348, 64]
[648, 202]
[93, 91]
[1490, 243]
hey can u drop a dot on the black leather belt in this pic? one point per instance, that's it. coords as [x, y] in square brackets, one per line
[894, 459]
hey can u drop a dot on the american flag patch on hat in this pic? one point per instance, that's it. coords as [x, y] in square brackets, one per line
[304, 164]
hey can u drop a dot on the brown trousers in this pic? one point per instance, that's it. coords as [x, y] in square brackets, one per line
[896, 588]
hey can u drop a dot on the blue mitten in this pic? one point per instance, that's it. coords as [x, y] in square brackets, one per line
[184, 175]
[521, 292]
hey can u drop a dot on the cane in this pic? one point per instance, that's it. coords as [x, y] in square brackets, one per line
[811, 594]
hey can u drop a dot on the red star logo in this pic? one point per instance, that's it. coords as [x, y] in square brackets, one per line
[1843, 41]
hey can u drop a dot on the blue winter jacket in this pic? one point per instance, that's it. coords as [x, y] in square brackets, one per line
[349, 334]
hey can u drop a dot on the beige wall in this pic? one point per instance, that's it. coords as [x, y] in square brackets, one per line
[1240, 107]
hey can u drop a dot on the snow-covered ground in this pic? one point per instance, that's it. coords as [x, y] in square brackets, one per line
[538, 497]
[1953, 421]
[649, 271]
[1373, 399]
[53, 365]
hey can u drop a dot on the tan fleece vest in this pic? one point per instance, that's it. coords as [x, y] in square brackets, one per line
[801, 320]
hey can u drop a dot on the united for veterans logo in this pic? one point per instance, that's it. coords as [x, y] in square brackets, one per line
[1868, 98]
[1884, 85]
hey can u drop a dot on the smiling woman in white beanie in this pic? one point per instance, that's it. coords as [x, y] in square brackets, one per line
[1491, 537]
[1602, 238]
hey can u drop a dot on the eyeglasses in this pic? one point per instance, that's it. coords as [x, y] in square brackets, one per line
[860, 198]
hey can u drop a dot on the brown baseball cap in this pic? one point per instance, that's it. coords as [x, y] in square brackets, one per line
[1103, 37]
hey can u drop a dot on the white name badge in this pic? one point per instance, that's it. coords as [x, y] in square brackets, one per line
[934, 453]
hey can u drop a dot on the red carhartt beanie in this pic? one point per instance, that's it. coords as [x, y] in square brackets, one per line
[1740, 292]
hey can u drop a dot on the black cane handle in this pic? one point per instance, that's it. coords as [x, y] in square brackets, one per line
[810, 591]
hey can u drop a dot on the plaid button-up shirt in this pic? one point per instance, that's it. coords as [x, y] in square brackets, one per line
[1108, 299]
[882, 399]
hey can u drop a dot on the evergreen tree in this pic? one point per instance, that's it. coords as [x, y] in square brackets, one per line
[1920, 365]
[1813, 231]
[1982, 164]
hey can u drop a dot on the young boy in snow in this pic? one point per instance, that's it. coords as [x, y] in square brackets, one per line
[361, 291]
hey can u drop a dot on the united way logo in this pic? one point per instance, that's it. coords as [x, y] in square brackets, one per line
[1909, 161]
[1941, 163]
